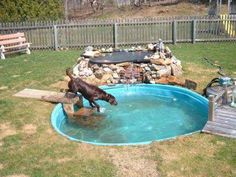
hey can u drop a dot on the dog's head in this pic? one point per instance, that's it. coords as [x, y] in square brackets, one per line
[111, 99]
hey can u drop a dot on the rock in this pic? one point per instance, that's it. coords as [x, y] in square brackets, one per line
[103, 50]
[86, 72]
[161, 61]
[143, 65]
[147, 68]
[89, 48]
[150, 47]
[154, 76]
[99, 74]
[76, 70]
[107, 70]
[152, 82]
[176, 70]
[115, 76]
[95, 67]
[108, 82]
[158, 67]
[162, 55]
[83, 64]
[155, 56]
[113, 67]
[89, 54]
[164, 72]
[125, 64]
[106, 77]
[139, 48]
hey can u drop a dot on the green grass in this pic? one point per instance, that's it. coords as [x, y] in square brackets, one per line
[43, 152]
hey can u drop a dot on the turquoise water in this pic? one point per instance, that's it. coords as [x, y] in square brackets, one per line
[144, 113]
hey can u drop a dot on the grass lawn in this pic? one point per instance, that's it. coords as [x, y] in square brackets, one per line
[30, 147]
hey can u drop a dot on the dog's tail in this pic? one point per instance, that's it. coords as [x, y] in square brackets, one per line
[69, 73]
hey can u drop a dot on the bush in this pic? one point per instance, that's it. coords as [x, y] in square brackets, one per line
[30, 10]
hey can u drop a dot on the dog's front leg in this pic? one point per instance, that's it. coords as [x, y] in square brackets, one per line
[97, 106]
[91, 104]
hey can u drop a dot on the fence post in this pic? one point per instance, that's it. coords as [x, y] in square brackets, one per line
[174, 31]
[193, 31]
[211, 108]
[115, 35]
[55, 37]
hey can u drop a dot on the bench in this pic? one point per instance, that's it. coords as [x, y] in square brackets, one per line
[13, 43]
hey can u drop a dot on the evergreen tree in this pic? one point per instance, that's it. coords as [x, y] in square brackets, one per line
[30, 10]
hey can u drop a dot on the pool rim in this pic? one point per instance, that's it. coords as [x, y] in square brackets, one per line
[59, 106]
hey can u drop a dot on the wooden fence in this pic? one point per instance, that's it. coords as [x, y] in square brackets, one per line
[118, 33]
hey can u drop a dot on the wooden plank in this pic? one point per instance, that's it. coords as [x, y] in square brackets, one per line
[12, 41]
[226, 119]
[11, 36]
[49, 96]
[223, 121]
[228, 115]
[219, 131]
[222, 125]
[227, 109]
[17, 46]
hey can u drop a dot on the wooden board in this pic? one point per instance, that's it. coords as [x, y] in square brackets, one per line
[50, 96]
[224, 123]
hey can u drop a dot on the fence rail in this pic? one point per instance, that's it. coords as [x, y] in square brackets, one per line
[78, 34]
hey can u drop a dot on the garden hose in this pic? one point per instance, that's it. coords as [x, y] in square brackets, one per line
[221, 71]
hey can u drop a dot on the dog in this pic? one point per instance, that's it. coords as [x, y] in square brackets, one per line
[89, 91]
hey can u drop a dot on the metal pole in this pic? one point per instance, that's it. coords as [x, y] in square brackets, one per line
[211, 108]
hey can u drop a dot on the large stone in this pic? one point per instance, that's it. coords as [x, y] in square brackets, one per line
[164, 72]
[95, 67]
[83, 64]
[157, 67]
[76, 70]
[113, 67]
[115, 76]
[106, 77]
[87, 72]
[107, 70]
[147, 68]
[176, 70]
[99, 74]
[125, 64]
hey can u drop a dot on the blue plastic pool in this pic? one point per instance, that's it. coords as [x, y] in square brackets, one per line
[144, 113]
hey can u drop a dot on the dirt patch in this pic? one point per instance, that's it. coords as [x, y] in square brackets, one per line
[29, 129]
[3, 87]
[132, 161]
[60, 85]
[6, 130]
[63, 160]
[20, 175]
[1, 166]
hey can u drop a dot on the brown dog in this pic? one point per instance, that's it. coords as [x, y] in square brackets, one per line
[88, 91]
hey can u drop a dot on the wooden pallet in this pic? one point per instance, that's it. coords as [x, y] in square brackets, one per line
[49, 96]
[224, 123]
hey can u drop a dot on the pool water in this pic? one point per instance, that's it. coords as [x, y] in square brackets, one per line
[144, 113]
